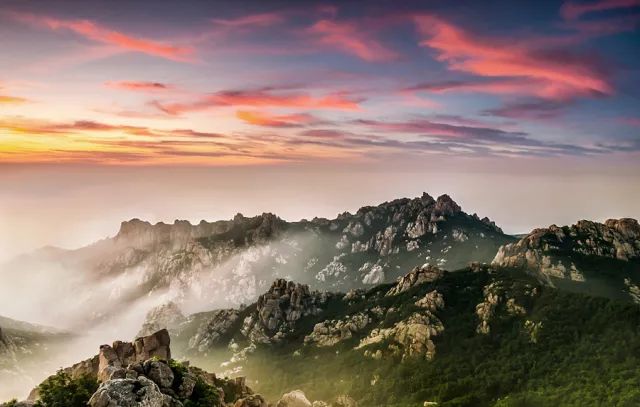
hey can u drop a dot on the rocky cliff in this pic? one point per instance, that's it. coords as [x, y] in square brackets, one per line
[607, 253]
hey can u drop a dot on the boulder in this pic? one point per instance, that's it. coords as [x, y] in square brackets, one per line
[129, 393]
[251, 401]
[159, 372]
[295, 398]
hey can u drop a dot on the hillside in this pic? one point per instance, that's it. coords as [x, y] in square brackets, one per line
[475, 337]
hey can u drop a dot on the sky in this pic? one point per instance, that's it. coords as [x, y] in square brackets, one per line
[526, 112]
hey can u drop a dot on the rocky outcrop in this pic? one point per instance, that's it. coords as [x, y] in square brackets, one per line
[496, 294]
[616, 239]
[412, 337]
[571, 255]
[142, 373]
[112, 360]
[419, 275]
[331, 332]
[432, 301]
[278, 310]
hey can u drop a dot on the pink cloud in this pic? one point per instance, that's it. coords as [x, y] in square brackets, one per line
[262, 98]
[139, 86]
[98, 33]
[529, 69]
[352, 39]
[573, 11]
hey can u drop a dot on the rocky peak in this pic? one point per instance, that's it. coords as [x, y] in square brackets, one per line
[446, 206]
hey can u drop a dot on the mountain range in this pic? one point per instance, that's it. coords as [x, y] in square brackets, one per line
[411, 285]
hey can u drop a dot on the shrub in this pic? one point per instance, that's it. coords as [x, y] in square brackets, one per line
[61, 390]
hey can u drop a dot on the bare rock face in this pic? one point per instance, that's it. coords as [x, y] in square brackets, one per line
[155, 345]
[279, 309]
[418, 275]
[112, 360]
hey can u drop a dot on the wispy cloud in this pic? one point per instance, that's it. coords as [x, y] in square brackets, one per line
[555, 74]
[12, 100]
[251, 20]
[140, 86]
[351, 38]
[573, 10]
[96, 32]
[263, 97]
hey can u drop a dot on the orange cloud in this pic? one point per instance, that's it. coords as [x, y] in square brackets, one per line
[11, 100]
[97, 33]
[573, 11]
[262, 98]
[139, 86]
[351, 39]
[553, 74]
[265, 119]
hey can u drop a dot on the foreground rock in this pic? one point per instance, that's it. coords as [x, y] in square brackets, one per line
[142, 373]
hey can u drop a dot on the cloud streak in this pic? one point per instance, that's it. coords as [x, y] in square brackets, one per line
[263, 97]
[518, 66]
[139, 86]
[351, 38]
[96, 32]
[571, 10]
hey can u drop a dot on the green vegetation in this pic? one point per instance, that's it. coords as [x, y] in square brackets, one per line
[204, 395]
[587, 352]
[61, 390]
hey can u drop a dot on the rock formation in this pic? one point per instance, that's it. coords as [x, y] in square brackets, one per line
[418, 275]
[278, 310]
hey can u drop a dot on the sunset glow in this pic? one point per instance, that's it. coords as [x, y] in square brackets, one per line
[160, 90]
